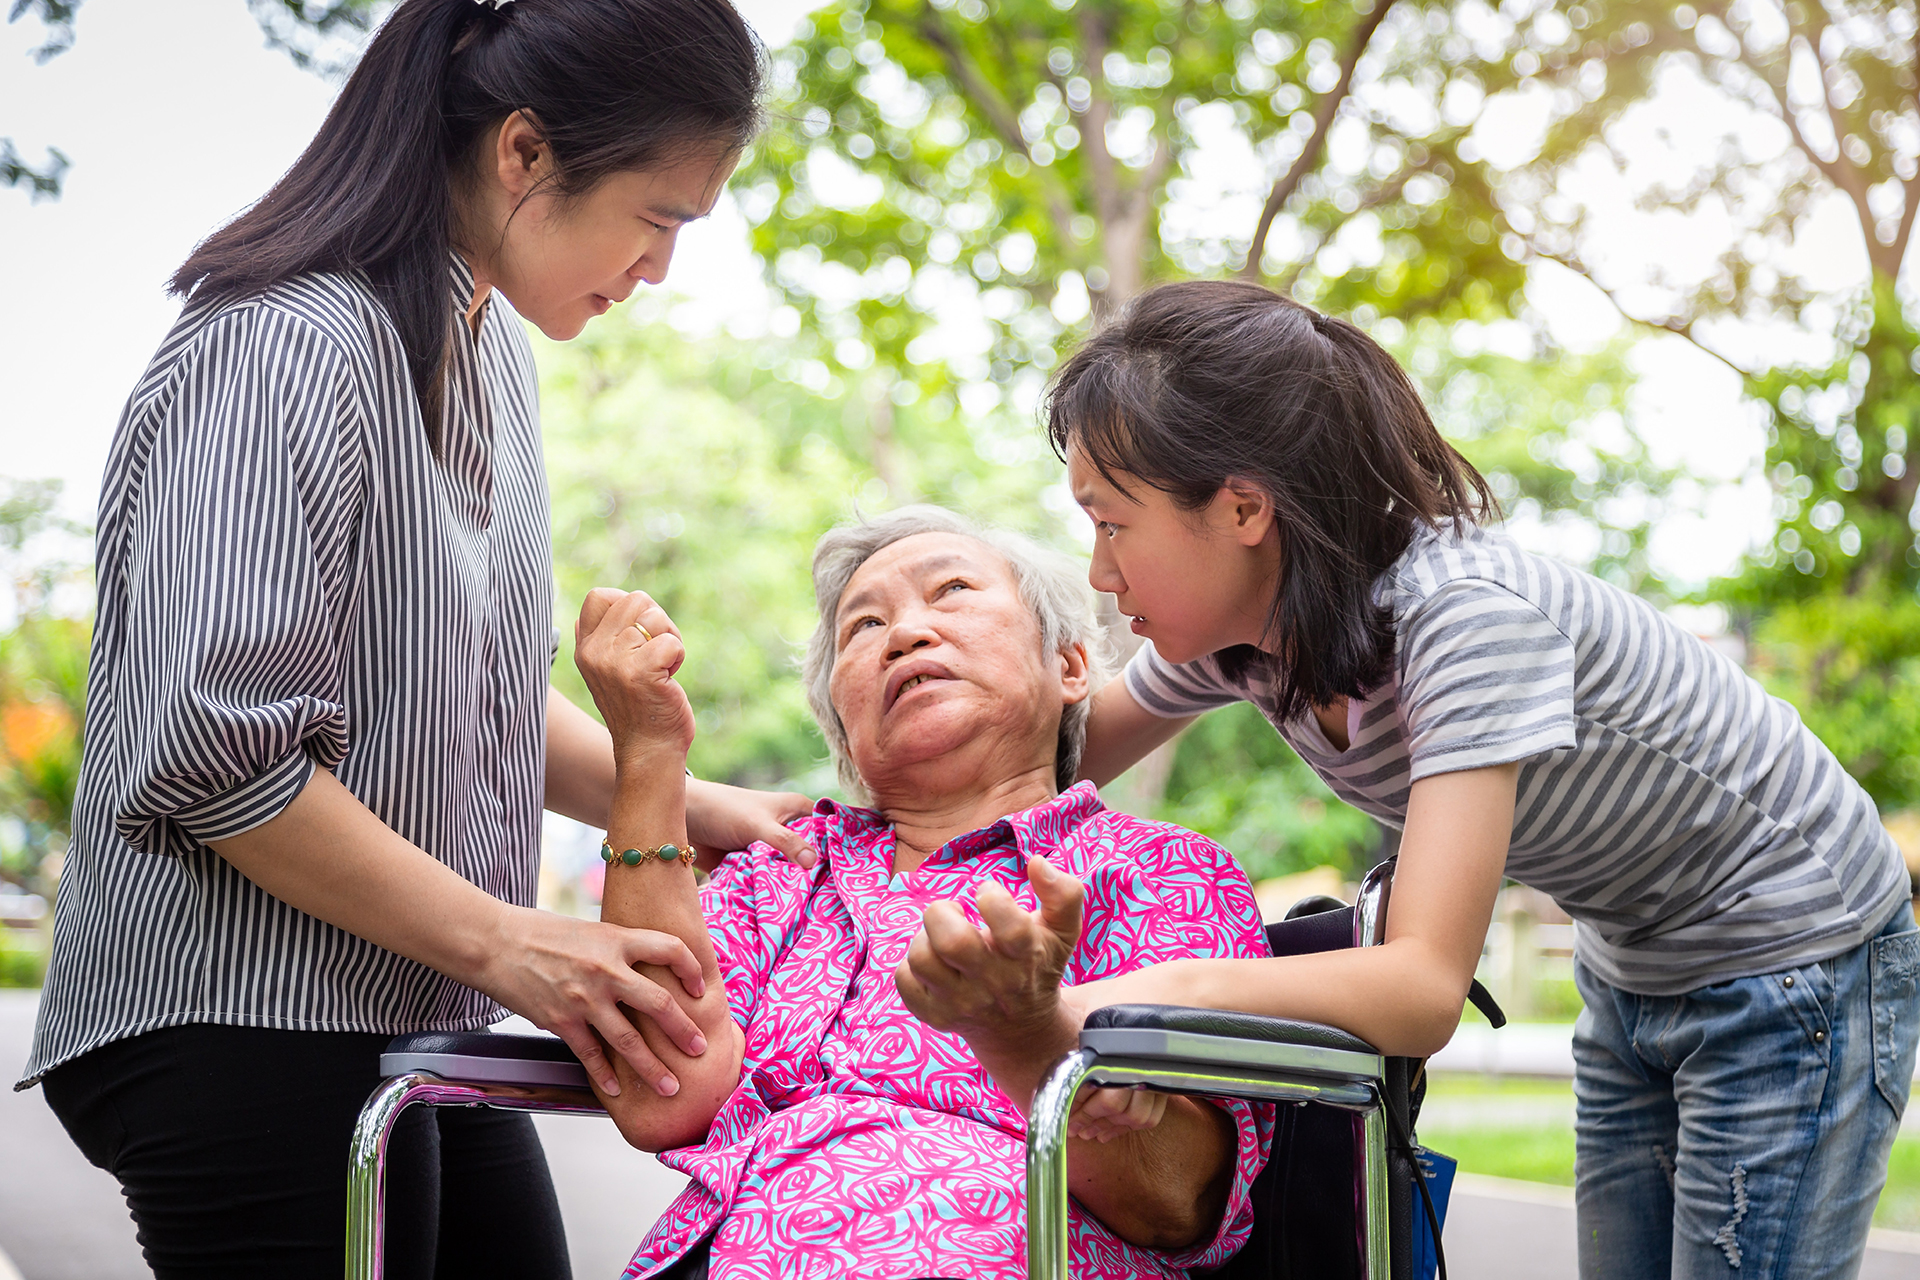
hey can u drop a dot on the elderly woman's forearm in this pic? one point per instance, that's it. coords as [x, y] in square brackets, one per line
[649, 810]
[1164, 1188]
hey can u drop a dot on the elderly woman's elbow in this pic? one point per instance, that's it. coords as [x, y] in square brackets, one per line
[654, 1123]
[660, 1124]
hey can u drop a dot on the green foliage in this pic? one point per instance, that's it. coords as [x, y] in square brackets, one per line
[1851, 664]
[1235, 781]
[56, 16]
[1018, 158]
[43, 681]
[42, 181]
[23, 958]
[1827, 604]
[43, 665]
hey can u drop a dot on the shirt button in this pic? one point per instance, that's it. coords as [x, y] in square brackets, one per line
[1787, 981]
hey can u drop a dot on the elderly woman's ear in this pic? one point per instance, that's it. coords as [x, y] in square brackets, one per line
[1076, 675]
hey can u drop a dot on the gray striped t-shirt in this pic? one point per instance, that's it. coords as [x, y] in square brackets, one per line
[1690, 824]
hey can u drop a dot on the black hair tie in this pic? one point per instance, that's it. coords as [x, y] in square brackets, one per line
[1320, 322]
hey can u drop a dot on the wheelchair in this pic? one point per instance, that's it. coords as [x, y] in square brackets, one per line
[1335, 1201]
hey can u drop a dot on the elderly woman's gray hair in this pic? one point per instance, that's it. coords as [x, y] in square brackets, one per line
[1052, 585]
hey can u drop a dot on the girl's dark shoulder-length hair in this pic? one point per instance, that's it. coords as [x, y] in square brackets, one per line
[613, 86]
[1199, 384]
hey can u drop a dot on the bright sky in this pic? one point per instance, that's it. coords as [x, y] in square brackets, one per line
[176, 116]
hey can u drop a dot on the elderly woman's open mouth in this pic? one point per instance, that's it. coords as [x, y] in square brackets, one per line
[914, 675]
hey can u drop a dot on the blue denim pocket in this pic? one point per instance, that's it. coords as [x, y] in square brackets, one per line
[1894, 966]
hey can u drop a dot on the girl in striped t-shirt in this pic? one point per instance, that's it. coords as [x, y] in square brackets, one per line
[1278, 515]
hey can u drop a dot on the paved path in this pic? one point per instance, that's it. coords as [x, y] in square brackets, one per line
[62, 1219]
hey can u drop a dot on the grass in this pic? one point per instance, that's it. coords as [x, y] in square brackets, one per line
[1523, 1147]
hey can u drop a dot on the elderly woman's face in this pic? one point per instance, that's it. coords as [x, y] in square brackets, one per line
[936, 652]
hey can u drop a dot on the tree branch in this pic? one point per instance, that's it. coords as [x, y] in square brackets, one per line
[998, 112]
[1850, 179]
[1840, 171]
[1324, 111]
[1672, 324]
[1910, 190]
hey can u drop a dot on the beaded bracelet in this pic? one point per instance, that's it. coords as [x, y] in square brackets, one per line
[633, 857]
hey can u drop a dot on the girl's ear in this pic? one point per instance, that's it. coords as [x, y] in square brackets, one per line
[1244, 511]
[1076, 681]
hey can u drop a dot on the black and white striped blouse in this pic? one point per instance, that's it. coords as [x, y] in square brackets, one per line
[1690, 824]
[288, 578]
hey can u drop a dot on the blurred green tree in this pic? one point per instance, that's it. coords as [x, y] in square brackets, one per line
[1016, 162]
[43, 677]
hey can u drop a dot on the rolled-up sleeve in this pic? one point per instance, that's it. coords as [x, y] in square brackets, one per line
[239, 586]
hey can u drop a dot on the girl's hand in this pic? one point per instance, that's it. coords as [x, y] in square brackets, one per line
[630, 674]
[571, 976]
[1101, 1115]
[723, 819]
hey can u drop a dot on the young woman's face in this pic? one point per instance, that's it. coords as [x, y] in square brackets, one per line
[1193, 582]
[563, 262]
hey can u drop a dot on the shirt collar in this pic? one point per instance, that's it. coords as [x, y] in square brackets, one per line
[1032, 831]
[460, 281]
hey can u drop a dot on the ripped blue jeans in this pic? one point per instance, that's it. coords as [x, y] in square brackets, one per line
[1742, 1129]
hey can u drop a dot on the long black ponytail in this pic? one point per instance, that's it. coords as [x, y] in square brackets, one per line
[613, 85]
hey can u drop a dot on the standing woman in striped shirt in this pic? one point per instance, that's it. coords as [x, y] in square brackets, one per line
[320, 733]
[1277, 513]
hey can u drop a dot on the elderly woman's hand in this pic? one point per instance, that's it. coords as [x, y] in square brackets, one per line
[999, 986]
[628, 650]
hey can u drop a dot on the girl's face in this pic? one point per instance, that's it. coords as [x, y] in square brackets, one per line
[563, 262]
[1193, 582]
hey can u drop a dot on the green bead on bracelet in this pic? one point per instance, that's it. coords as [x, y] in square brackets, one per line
[633, 857]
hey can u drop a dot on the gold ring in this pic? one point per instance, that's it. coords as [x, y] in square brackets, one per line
[645, 635]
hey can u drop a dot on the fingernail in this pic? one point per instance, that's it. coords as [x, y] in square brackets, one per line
[668, 1086]
[699, 988]
[611, 1087]
[699, 1044]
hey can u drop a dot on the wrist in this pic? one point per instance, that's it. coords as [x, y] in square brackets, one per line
[1017, 1057]
[483, 947]
[650, 762]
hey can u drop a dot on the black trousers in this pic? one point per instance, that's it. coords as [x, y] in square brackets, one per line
[231, 1143]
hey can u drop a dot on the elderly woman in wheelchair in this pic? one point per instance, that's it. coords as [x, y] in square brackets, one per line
[877, 1022]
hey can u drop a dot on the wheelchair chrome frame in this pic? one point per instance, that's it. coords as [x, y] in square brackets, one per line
[367, 1167]
[1298, 1074]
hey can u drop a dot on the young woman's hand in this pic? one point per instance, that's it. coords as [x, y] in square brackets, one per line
[723, 819]
[571, 976]
[628, 650]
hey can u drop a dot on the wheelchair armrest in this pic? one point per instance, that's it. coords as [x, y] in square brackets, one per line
[1217, 1037]
[482, 1057]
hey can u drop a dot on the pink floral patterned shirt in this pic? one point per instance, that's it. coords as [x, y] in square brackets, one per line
[861, 1143]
